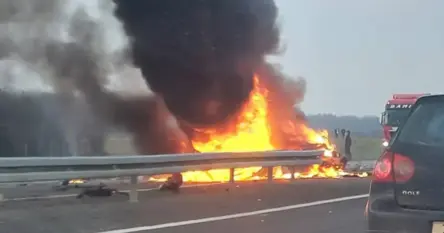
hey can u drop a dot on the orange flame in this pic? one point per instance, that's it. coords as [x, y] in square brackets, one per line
[251, 132]
[77, 181]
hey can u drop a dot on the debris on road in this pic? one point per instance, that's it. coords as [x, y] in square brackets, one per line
[100, 191]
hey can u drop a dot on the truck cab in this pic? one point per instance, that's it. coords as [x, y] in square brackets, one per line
[396, 111]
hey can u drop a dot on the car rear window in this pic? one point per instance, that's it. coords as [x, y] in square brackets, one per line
[425, 126]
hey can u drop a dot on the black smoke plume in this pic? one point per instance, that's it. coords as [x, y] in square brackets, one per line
[70, 50]
[200, 55]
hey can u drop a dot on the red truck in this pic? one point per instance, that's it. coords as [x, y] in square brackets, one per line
[396, 111]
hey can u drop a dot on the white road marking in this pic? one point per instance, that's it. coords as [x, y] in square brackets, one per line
[238, 215]
[75, 194]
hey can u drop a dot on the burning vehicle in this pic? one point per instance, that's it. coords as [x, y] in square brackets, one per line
[256, 128]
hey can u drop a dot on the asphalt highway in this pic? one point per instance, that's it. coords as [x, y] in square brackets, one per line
[302, 206]
[51, 190]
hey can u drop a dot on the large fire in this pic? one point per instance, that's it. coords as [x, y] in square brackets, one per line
[251, 132]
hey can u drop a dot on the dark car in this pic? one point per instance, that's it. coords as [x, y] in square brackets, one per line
[407, 190]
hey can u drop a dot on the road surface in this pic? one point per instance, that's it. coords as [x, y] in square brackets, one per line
[302, 206]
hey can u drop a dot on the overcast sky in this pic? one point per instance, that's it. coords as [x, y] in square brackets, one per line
[356, 53]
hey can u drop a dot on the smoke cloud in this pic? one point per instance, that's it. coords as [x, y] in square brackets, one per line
[73, 46]
[200, 55]
[197, 56]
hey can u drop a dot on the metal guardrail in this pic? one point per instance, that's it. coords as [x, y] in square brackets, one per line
[33, 169]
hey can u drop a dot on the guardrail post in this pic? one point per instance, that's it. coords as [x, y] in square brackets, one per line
[133, 195]
[270, 174]
[231, 175]
[292, 170]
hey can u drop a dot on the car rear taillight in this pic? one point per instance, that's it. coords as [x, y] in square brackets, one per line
[392, 167]
[383, 168]
[404, 168]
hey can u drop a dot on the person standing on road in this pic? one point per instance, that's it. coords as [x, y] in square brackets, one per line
[343, 133]
[348, 143]
[336, 133]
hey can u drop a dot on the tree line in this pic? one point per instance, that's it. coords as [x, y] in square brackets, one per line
[32, 125]
[360, 126]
